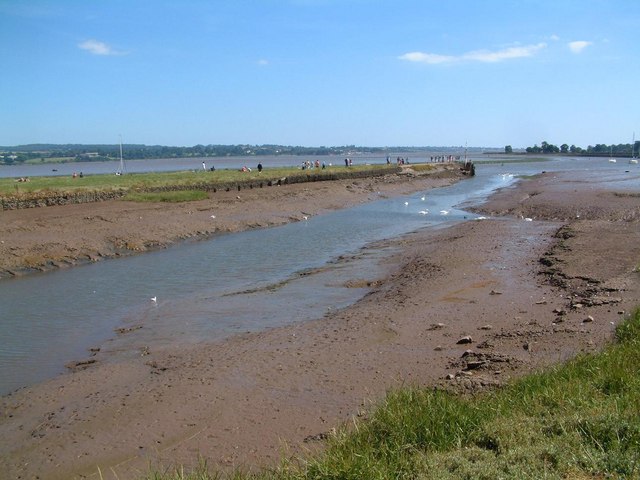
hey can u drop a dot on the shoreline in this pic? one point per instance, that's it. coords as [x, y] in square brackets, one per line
[238, 401]
[46, 238]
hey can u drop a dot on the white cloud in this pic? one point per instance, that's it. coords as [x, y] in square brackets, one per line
[505, 54]
[578, 45]
[554, 37]
[98, 48]
[262, 62]
[485, 56]
[431, 58]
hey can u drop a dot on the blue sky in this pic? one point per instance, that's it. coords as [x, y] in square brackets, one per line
[320, 72]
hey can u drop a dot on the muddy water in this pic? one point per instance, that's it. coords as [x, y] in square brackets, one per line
[240, 282]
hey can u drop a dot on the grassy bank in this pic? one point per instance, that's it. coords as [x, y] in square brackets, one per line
[154, 181]
[577, 420]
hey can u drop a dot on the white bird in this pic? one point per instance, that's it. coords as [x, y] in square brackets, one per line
[304, 217]
[528, 219]
[423, 212]
[481, 218]
[444, 212]
[213, 216]
[406, 203]
[154, 299]
[423, 198]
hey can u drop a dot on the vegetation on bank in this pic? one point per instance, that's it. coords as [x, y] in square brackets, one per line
[576, 420]
[145, 182]
[621, 150]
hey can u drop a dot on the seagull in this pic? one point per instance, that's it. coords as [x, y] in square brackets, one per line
[213, 216]
[304, 217]
[423, 198]
[154, 299]
[481, 218]
[423, 212]
[444, 212]
[406, 203]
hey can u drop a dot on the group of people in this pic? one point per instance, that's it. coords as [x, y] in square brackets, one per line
[444, 158]
[248, 169]
[306, 165]
[399, 160]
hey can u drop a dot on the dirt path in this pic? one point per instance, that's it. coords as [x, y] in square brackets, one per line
[241, 401]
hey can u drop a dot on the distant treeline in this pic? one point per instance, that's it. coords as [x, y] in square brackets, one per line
[73, 152]
[600, 149]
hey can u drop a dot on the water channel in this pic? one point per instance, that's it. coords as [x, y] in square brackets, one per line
[233, 283]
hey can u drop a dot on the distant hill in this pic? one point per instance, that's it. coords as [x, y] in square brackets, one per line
[98, 152]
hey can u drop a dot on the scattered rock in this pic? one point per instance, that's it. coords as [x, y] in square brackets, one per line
[438, 348]
[463, 340]
[123, 330]
[80, 364]
[316, 438]
[495, 292]
[486, 327]
[475, 364]
[589, 319]
[436, 326]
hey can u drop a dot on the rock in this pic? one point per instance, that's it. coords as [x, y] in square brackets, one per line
[495, 292]
[450, 376]
[436, 326]
[589, 319]
[486, 327]
[80, 364]
[527, 346]
[475, 364]
[463, 340]
[559, 311]
[438, 348]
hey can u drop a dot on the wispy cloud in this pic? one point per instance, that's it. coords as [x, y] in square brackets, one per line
[578, 46]
[485, 56]
[96, 47]
[263, 62]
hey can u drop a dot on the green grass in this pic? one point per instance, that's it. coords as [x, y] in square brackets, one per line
[170, 197]
[150, 181]
[578, 420]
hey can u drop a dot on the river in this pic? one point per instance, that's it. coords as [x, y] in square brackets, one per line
[233, 283]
